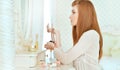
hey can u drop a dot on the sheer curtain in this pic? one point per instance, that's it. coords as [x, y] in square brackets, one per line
[29, 23]
[23, 26]
[7, 51]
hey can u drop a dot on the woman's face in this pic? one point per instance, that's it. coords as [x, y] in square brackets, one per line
[74, 15]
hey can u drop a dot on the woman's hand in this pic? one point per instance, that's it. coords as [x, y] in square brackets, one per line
[52, 30]
[50, 45]
[56, 34]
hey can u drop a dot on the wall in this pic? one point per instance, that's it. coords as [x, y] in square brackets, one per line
[108, 15]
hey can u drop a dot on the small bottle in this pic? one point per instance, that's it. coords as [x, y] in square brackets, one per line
[36, 42]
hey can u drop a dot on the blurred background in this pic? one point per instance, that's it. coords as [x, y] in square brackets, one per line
[23, 22]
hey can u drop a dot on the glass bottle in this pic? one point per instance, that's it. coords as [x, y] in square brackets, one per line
[36, 42]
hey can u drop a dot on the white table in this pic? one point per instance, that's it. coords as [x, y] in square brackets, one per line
[61, 67]
[25, 59]
[28, 61]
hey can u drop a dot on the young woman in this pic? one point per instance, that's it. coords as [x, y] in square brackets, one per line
[87, 39]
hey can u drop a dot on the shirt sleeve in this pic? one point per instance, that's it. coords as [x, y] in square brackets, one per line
[87, 40]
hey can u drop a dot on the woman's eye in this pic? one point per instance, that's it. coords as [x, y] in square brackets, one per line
[73, 12]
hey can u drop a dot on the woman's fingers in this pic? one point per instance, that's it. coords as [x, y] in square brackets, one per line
[47, 27]
[50, 29]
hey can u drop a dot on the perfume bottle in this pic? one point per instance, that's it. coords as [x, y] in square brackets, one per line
[34, 45]
[36, 42]
[50, 53]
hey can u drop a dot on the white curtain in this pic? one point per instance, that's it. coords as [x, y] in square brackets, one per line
[30, 23]
[22, 25]
[7, 37]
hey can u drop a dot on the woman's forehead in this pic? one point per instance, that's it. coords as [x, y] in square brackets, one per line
[74, 7]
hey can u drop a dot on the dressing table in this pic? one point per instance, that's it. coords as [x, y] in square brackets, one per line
[31, 61]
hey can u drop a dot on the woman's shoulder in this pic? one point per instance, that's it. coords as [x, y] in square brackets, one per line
[90, 34]
[89, 37]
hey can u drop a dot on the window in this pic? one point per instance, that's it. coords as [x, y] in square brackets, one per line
[47, 20]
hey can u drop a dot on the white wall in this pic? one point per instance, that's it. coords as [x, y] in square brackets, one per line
[108, 15]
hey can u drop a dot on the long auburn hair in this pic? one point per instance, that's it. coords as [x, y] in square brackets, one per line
[87, 20]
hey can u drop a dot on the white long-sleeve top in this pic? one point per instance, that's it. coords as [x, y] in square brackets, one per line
[84, 54]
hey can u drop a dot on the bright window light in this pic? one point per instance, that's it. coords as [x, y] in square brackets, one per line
[46, 35]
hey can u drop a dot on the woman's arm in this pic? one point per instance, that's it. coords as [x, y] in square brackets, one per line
[87, 40]
[58, 40]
